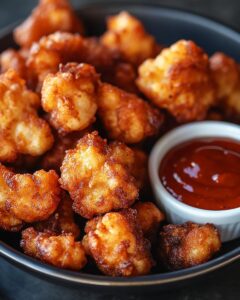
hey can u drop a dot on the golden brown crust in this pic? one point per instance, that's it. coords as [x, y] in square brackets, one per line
[149, 217]
[52, 160]
[21, 130]
[62, 220]
[125, 116]
[59, 250]
[8, 221]
[29, 198]
[13, 59]
[52, 50]
[226, 75]
[225, 72]
[187, 245]
[96, 182]
[127, 34]
[179, 80]
[69, 96]
[117, 244]
[135, 160]
[48, 17]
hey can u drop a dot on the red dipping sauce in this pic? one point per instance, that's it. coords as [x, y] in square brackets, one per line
[204, 173]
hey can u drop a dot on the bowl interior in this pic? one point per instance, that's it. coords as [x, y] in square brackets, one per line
[167, 25]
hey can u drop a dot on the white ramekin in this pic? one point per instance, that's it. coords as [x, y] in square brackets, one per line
[227, 221]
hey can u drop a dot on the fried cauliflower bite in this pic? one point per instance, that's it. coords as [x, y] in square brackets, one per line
[116, 243]
[135, 160]
[52, 50]
[179, 80]
[187, 245]
[127, 34]
[149, 218]
[225, 72]
[21, 130]
[62, 220]
[13, 59]
[126, 117]
[96, 182]
[69, 96]
[226, 75]
[29, 198]
[48, 17]
[8, 221]
[53, 159]
[58, 250]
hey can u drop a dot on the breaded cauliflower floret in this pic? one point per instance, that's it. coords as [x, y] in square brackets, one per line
[29, 198]
[21, 130]
[52, 160]
[52, 50]
[61, 48]
[59, 250]
[62, 220]
[48, 17]
[125, 116]
[135, 160]
[116, 243]
[12, 59]
[109, 64]
[225, 72]
[187, 245]
[8, 221]
[69, 96]
[127, 34]
[226, 75]
[179, 80]
[149, 217]
[96, 182]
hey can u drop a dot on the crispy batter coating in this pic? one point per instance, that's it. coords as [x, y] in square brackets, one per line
[13, 59]
[21, 130]
[116, 243]
[61, 48]
[187, 245]
[8, 221]
[126, 117]
[29, 198]
[69, 96]
[149, 218]
[135, 160]
[52, 50]
[53, 159]
[127, 34]
[226, 74]
[179, 80]
[48, 17]
[96, 182]
[62, 220]
[59, 250]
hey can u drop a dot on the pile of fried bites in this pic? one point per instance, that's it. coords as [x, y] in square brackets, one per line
[77, 116]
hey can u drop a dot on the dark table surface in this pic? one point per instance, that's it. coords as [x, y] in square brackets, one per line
[221, 285]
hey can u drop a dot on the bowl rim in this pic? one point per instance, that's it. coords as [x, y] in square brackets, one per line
[34, 265]
[155, 162]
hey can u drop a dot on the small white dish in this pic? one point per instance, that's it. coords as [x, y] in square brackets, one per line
[227, 221]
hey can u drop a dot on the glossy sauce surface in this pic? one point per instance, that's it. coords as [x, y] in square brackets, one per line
[204, 173]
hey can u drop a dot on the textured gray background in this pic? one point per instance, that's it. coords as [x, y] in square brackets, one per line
[221, 285]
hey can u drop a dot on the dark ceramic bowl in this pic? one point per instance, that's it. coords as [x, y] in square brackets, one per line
[168, 26]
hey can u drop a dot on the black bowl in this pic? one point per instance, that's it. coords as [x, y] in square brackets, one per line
[167, 25]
